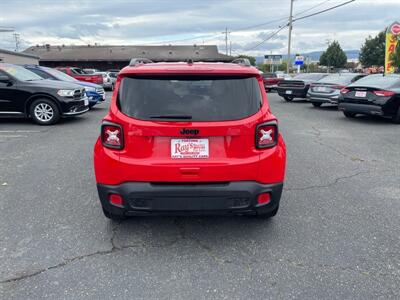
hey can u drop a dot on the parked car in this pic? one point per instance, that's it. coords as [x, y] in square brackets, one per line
[108, 82]
[80, 75]
[90, 71]
[377, 95]
[327, 89]
[189, 139]
[94, 92]
[271, 81]
[298, 86]
[113, 75]
[25, 94]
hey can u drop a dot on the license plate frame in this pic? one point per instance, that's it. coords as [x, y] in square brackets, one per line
[361, 94]
[288, 92]
[190, 148]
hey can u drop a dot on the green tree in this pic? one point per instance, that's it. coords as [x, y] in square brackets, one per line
[334, 56]
[250, 58]
[372, 52]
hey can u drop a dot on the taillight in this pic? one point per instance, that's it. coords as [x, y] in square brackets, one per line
[266, 135]
[384, 93]
[338, 87]
[344, 91]
[112, 135]
[116, 200]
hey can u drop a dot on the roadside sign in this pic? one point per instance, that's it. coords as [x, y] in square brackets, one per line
[273, 59]
[392, 39]
[299, 60]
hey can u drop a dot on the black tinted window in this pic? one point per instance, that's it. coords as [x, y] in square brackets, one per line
[42, 74]
[198, 98]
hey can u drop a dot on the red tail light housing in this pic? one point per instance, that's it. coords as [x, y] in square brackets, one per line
[338, 87]
[112, 135]
[344, 91]
[384, 93]
[266, 135]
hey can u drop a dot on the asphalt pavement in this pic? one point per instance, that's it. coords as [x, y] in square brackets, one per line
[336, 236]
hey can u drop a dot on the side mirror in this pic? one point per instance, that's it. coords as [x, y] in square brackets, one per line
[5, 79]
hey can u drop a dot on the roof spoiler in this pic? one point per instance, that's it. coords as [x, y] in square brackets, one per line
[241, 61]
[140, 61]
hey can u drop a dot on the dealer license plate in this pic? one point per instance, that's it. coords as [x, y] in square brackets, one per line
[189, 148]
[361, 94]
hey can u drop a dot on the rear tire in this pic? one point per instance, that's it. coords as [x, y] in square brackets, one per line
[349, 114]
[44, 112]
[112, 216]
[288, 98]
[396, 117]
[316, 104]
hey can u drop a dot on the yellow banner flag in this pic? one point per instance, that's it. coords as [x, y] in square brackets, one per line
[392, 35]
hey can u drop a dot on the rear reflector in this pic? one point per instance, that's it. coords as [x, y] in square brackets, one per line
[112, 135]
[116, 199]
[384, 93]
[266, 135]
[264, 198]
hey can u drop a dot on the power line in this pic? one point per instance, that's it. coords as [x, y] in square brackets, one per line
[300, 18]
[322, 11]
[311, 8]
[268, 38]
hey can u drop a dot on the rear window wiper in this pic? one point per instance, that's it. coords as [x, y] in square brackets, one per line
[179, 117]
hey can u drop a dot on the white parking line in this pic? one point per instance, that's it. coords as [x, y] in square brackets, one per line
[20, 131]
[12, 136]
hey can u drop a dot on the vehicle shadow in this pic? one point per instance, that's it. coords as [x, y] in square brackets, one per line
[218, 234]
[373, 120]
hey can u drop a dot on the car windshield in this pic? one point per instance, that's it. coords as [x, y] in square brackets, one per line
[379, 81]
[59, 75]
[337, 79]
[198, 98]
[269, 75]
[20, 73]
[309, 76]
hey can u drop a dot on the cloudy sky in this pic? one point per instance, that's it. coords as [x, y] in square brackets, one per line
[123, 22]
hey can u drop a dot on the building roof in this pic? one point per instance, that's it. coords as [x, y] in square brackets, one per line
[191, 68]
[23, 54]
[126, 53]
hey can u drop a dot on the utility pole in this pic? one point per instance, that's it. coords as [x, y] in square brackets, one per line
[290, 35]
[17, 41]
[226, 39]
[230, 48]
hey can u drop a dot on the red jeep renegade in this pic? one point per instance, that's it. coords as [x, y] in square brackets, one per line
[189, 138]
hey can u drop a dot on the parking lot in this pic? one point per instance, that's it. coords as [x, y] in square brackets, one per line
[336, 236]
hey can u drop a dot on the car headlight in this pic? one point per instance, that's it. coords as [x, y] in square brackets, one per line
[66, 93]
[90, 89]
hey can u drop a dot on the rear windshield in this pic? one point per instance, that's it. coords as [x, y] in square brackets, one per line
[269, 75]
[337, 79]
[195, 98]
[309, 76]
[379, 81]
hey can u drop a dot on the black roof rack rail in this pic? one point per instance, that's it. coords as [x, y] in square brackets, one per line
[140, 61]
[241, 61]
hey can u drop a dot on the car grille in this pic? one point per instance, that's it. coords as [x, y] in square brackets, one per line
[291, 83]
[78, 94]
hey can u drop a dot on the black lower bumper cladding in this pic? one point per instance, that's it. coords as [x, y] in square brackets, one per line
[145, 198]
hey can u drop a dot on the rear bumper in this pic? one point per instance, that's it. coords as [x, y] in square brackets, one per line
[361, 109]
[333, 99]
[293, 92]
[145, 198]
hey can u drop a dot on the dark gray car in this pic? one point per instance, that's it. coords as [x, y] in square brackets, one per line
[327, 89]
